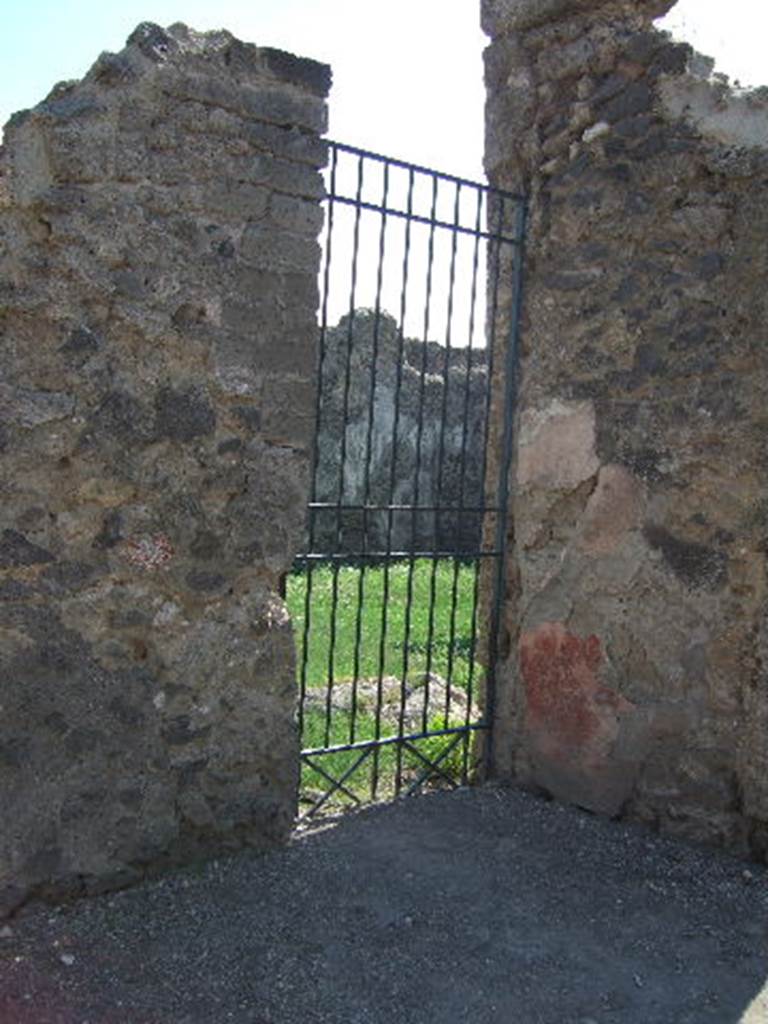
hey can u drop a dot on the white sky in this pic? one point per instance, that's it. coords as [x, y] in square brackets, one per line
[408, 73]
[408, 78]
[734, 33]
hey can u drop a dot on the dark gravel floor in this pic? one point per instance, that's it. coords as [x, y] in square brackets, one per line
[481, 906]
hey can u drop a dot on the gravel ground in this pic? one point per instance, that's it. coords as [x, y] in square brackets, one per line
[484, 906]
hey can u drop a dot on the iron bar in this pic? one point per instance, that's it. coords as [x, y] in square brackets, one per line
[332, 506]
[388, 741]
[417, 468]
[395, 556]
[343, 455]
[369, 447]
[505, 462]
[393, 470]
[339, 783]
[308, 758]
[306, 633]
[441, 458]
[463, 468]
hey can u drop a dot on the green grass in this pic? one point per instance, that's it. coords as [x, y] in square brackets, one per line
[401, 620]
[414, 642]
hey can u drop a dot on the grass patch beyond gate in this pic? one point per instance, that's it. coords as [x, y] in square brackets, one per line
[402, 621]
[427, 624]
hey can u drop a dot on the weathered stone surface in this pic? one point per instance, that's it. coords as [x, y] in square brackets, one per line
[421, 443]
[613, 509]
[16, 550]
[499, 16]
[572, 722]
[639, 513]
[147, 675]
[29, 408]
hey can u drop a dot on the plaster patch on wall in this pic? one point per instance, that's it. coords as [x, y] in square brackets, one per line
[612, 511]
[557, 446]
[730, 117]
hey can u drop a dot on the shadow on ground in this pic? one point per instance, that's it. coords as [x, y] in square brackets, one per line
[481, 906]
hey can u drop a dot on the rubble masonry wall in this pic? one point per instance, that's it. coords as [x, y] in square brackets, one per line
[158, 268]
[634, 675]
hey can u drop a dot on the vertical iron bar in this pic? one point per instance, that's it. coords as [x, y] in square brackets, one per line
[441, 460]
[369, 455]
[463, 473]
[306, 632]
[393, 472]
[492, 265]
[393, 465]
[510, 402]
[417, 468]
[342, 465]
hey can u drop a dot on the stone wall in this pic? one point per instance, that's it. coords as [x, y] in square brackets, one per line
[158, 266]
[410, 424]
[634, 681]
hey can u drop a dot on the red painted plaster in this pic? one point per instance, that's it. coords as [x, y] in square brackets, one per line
[570, 717]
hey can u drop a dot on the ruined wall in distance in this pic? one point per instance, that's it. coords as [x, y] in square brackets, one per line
[636, 618]
[158, 265]
[429, 413]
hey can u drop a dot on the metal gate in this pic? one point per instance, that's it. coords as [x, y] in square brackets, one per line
[396, 599]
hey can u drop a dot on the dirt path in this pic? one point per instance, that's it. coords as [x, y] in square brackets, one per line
[482, 906]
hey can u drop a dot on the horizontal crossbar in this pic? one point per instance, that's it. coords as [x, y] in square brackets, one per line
[388, 741]
[395, 556]
[391, 211]
[337, 506]
[356, 151]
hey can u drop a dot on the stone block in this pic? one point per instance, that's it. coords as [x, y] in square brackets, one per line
[298, 71]
[694, 564]
[234, 202]
[285, 176]
[80, 156]
[288, 411]
[17, 550]
[31, 175]
[286, 142]
[635, 99]
[254, 348]
[296, 215]
[182, 415]
[280, 107]
[267, 247]
[30, 408]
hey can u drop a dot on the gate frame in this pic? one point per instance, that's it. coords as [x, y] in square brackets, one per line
[510, 340]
